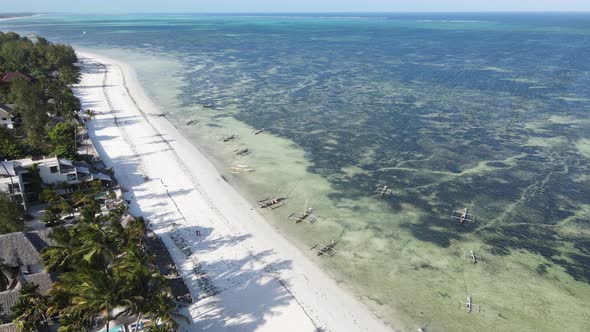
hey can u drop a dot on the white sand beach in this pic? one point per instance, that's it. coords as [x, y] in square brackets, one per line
[242, 274]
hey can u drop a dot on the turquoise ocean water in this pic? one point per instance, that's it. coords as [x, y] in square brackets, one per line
[488, 112]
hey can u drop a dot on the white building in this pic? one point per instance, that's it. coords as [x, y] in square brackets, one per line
[6, 117]
[11, 181]
[15, 175]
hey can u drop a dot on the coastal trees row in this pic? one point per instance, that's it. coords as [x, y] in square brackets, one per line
[103, 272]
[42, 102]
[35, 57]
[30, 104]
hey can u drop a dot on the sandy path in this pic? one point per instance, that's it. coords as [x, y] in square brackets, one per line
[242, 274]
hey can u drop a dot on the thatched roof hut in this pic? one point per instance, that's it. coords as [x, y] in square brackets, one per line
[22, 249]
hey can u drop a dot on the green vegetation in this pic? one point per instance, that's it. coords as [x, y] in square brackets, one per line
[46, 104]
[11, 215]
[35, 181]
[100, 262]
[83, 198]
[31, 310]
[10, 147]
[102, 266]
[38, 58]
[62, 137]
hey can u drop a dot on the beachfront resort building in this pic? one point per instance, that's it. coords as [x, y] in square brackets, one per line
[21, 264]
[7, 118]
[16, 176]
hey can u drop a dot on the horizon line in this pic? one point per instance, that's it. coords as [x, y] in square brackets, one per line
[309, 12]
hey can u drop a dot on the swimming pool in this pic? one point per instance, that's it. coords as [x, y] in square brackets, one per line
[118, 328]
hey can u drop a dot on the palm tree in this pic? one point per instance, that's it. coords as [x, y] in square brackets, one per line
[48, 195]
[116, 233]
[96, 245]
[95, 187]
[90, 213]
[57, 257]
[80, 199]
[136, 231]
[165, 311]
[52, 215]
[35, 181]
[89, 114]
[31, 309]
[157, 328]
[104, 269]
[143, 281]
[87, 243]
[66, 207]
[98, 293]
[75, 321]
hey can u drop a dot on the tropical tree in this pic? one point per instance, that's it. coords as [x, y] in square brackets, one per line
[30, 309]
[48, 195]
[66, 207]
[58, 257]
[75, 321]
[165, 311]
[11, 215]
[51, 216]
[63, 139]
[97, 247]
[99, 293]
[31, 104]
[143, 282]
[69, 74]
[34, 99]
[95, 186]
[103, 268]
[81, 199]
[136, 231]
[35, 180]
[16, 55]
[90, 213]
[89, 114]
[10, 147]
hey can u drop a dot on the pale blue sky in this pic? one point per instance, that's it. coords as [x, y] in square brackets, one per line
[258, 6]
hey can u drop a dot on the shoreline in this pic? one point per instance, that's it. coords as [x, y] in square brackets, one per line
[17, 17]
[241, 272]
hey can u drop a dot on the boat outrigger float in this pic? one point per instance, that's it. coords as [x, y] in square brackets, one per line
[231, 137]
[323, 249]
[239, 169]
[242, 152]
[383, 191]
[463, 216]
[468, 305]
[471, 257]
[307, 215]
[272, 203]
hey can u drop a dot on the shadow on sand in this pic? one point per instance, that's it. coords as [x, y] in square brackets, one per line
[215, 286]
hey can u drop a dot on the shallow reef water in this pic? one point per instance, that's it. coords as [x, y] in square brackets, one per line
[451, 111]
